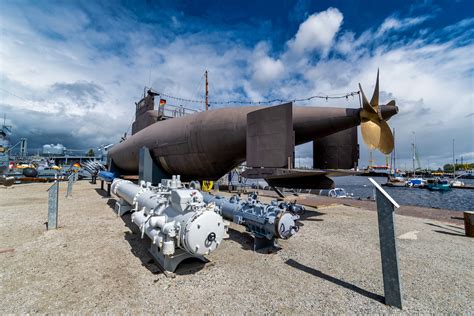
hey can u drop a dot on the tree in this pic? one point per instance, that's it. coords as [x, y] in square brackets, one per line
[90, 153]
[448, 167]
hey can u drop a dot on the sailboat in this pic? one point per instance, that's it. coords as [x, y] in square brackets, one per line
[395, 180]
[438, 185]
[415, 181]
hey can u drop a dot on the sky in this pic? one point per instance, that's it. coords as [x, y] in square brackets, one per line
[71, 71]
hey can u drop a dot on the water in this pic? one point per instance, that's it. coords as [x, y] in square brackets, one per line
[455, 199]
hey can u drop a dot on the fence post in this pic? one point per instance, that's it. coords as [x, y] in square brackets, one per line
[53, 194]
[388, 246]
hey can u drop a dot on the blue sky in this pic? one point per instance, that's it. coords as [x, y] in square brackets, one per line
[71, 71]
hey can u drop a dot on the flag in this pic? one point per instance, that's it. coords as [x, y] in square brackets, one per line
[162, 102]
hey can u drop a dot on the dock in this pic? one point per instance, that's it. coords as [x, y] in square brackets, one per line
[96, 262]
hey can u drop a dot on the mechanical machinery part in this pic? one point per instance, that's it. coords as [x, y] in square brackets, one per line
[264, 221]
[106, 176]
[93, 167]
[178, 222]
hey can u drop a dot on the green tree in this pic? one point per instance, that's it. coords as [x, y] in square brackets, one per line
[90, 153]
[448, 167]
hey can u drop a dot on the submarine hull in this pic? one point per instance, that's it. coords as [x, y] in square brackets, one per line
[207, 145]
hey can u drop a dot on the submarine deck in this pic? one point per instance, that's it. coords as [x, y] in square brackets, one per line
[96, 262]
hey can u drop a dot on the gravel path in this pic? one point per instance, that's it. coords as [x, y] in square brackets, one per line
[96, 263]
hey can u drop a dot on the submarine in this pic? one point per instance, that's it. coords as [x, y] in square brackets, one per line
[207, 145]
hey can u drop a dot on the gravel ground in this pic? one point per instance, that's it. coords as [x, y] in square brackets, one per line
[96, 263]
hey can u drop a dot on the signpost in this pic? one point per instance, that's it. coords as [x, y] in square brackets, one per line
[388, 246]
[53, 194]
[70, 182]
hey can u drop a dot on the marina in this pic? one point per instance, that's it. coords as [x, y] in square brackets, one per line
[460, 200]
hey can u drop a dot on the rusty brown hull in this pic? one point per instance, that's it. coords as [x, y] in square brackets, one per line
[207, 145]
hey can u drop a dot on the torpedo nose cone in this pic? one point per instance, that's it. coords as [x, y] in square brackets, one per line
[387, 111]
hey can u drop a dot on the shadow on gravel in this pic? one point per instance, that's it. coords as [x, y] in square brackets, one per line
[449, 233]
[457, 227]
[139, 247]
[334, 280]
[456, 232]
[309, 215]
[102, 193]
[111, 204]
[246, 241]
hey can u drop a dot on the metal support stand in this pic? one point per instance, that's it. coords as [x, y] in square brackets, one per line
[168, 264]
[70, 182]
[388, 247]
[108, 187]
[148, 171]
[260, 243]
[122, 207]
[277, 191]
[53, 196]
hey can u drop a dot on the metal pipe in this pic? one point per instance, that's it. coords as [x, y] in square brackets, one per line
[263, 220]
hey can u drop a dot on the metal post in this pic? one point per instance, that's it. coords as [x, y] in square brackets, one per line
[70, 182]
[148, 171]
[53, 193]
[388, 247]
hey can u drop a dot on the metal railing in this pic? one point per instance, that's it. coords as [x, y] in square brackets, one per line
[170, 111]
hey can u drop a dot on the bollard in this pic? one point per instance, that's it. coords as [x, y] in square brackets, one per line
[469, 223]
[388, 246]
[53, 194]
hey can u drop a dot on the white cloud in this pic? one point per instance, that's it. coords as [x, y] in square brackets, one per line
[345, 43]
[317, 32]
[265, 68]
[392, 24]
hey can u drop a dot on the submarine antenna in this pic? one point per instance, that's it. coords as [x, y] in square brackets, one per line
[207, 91]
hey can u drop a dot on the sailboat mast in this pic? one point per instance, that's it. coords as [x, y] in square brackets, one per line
[207, 92]
[394, 153]
[414, 152]
[454, 163]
